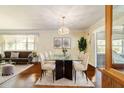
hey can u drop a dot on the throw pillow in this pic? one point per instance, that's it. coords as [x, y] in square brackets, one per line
[14, 54]
[30, 55]
[2, 55]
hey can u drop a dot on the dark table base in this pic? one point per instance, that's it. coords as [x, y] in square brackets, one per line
[64, 69]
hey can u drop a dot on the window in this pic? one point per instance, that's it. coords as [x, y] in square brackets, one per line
[31, 42]
[19, 42]
[117, 46]
[101, 46]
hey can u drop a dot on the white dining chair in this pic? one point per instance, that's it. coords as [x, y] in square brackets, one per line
[50, 53]
[48, 56]
[46, 66]
[81, 65]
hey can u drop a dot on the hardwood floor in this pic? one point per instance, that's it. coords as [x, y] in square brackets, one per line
[28, 78]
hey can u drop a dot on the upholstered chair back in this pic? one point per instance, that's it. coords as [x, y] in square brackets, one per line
[42, 59]
[46, 55]
[50, 54]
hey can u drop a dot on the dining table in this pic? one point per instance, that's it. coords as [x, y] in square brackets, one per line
[64, 65]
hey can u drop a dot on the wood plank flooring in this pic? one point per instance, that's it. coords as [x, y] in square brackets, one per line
[28, 78]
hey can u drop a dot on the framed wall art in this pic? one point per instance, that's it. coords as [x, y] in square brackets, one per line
[57, 42]
[62, 42]
[66, 42]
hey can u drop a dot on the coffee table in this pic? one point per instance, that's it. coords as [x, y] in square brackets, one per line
[9, 60]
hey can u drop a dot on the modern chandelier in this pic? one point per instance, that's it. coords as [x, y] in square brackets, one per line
[63, 30]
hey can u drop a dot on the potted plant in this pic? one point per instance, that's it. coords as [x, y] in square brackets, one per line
[64, 50]
[82, 44]
[34, 54]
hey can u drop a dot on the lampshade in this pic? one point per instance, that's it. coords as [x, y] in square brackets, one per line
[63, 30]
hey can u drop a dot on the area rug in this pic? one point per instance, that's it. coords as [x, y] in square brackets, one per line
[18, 69]
[80, 81]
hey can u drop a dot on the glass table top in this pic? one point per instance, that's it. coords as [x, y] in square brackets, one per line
[62, 57]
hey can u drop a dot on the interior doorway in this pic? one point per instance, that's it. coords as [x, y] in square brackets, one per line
[100, 49]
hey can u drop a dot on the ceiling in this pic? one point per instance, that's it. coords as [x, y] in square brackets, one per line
[49, 17]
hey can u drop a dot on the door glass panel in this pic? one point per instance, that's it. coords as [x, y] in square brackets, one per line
[118, 35]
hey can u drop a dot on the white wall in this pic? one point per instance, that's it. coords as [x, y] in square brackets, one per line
[44, 40]
[98, 26]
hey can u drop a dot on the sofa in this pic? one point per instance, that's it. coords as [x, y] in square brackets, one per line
[23, 56]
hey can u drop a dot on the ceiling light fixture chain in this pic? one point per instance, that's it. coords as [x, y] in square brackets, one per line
[63, 30]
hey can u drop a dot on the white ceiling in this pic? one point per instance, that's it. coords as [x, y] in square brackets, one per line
[49, 17]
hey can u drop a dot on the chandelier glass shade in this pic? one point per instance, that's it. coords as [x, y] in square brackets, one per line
[63, 30]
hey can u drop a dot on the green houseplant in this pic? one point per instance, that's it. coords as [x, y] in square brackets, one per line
[82, 44]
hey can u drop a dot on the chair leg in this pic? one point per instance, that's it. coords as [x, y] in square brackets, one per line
[53, 76]
[86, 75]
[44, 72]
[83, 73]
[75, 76]
[73, 73]
[41, 74]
